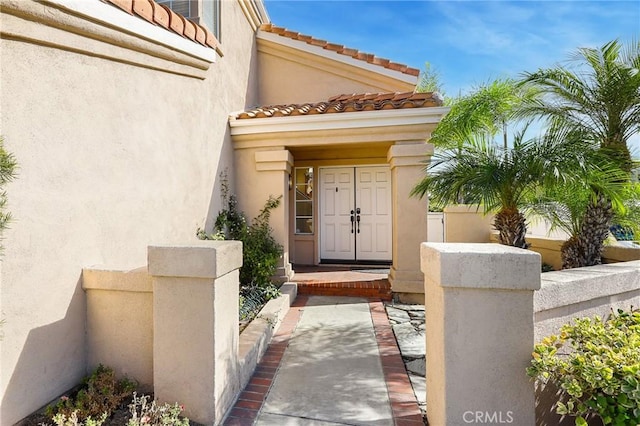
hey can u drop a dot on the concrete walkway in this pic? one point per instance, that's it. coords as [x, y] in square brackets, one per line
[333, 361]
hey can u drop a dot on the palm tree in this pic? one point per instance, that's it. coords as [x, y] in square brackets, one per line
[600, 98]
[489, 110]
[471, 163]
[570, 206]
[503, 180]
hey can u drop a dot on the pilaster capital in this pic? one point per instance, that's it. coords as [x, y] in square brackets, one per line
[409, 154]
[277, 160]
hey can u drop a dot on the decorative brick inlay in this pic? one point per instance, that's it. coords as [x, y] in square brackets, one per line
[247, 407]
[404, 405]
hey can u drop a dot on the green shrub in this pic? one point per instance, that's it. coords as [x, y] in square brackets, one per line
[260, 250]
[100, 393]
[597, 364]
[148, 413]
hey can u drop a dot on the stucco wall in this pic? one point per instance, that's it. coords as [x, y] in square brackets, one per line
[285, 70]
[466, 224]
[585, 292]
[120, 322]
[113, 157]
[549, 249]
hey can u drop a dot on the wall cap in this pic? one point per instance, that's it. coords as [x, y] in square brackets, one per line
[115, 279]
[201, 259]
[480, 266]
[571, 286]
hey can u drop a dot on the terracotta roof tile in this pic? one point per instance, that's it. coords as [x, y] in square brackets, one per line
[349, 51]
[348, 103]
[160, 15]
[354, 53]
[164, 17]
[176, 22]
[143, 9]
[126, 5]
[334, 47]
[201, 36]
[189, 30]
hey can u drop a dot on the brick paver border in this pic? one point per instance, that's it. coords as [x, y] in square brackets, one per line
[404, 406]
[249, 403]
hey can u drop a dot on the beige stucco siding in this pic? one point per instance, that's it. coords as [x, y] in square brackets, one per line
[282, 79]
[294, 72]
[113, 157]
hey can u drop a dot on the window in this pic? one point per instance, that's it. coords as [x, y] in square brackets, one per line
[203, 12]
[304, 200]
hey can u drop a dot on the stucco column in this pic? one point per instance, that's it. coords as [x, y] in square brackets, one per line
[260, 174]
[274, 172]
[480, 333]
[408, 161]
[195, 326]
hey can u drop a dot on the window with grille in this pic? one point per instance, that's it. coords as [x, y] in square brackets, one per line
[304, 200]
[203, 12]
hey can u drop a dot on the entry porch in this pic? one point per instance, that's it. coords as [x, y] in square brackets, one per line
[344, 169]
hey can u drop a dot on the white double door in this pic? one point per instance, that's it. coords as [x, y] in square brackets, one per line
[355, 214]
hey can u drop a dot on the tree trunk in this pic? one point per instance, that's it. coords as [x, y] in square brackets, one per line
[512, 226]
[585, 249]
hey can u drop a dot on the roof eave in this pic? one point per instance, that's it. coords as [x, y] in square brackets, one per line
[394, 125]
[266, 38]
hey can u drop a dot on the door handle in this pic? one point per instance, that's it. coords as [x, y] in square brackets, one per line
[358, 219]
[353, 219]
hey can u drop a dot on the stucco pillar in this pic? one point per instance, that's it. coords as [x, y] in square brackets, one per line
[195, 326]
[274, 172]
[480, 333]
[408, 161]
[259, 174]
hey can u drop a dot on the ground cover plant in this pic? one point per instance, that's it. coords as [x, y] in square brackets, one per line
[102, 399]
[101, 393]
[597, 364]
[146, 412]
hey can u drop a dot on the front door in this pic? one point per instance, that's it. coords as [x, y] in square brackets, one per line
[355, 219]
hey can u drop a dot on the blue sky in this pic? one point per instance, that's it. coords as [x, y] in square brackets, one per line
[467, 42]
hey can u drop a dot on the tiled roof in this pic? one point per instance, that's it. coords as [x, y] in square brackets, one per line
[338, 48]
[349, 103]
[164, 17]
